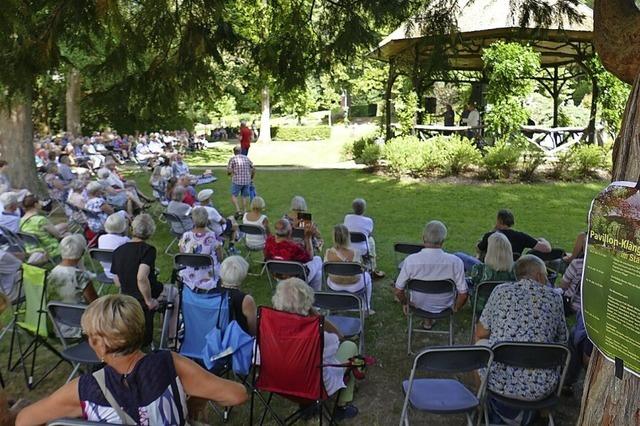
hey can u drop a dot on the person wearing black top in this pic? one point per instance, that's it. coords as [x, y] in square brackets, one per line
[233, 271]
[519, 240]
[134, 269]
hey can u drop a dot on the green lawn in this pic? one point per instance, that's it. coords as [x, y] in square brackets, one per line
[400, 209]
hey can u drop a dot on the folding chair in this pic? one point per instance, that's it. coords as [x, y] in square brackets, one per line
[94, 216]
[484, 289]
[253, 230]
[347, 269]
[104, 257]
[446, 396]
[282, 269]
[533, 355]
[332, 303]
[290, 348]
[74, 422]
[77, 353]
[177, 227]
[361, 238]
[35, 324]
[402, 250]
[440, 287]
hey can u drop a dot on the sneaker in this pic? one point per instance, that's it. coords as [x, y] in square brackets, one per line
[347, 412]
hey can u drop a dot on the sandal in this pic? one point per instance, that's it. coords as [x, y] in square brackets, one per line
[428, 324]
[378, 274]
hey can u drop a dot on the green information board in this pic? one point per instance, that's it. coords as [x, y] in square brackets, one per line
[611, 276]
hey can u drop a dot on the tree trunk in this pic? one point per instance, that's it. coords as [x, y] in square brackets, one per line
[608, 400]
[72, 98]
[16, 143]
[265, 118]
[387, 101]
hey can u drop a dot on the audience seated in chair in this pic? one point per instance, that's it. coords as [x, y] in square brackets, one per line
[10, 216]
[295, 296]
[432, 263]
[217, 223]
[98, 205]
[342, 252]
[299, 205]
[34, 222]
[10, 264]
[233, 271]
[151, 388]
[358, 222]
[116, 227]
[497, 266]
[201, 240]
[134, 269]
[282, 247]
[181, 209]
[257, 218]
[524, 311]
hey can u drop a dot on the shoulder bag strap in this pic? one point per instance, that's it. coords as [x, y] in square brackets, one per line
[124, 417]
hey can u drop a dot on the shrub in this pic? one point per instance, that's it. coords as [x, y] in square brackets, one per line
[406, 109]
[586, 160]
[408, 155]
[301, 133]
[456, 154]
[532, 159]
[370, 155]
[561, 166]
[501, 159]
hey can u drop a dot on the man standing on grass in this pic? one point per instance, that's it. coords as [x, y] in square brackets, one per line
[245, 137]
[241, 170]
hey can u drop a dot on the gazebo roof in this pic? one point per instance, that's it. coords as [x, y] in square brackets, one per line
[482, 22]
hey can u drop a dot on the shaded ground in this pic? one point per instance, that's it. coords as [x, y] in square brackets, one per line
[400, 208]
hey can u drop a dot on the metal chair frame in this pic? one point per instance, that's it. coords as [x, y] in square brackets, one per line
[361, 237]
[474, 305]
[329, 302]
[284, 267]
[346, 269]
[171, 219]
[253, 230]
[101, 255]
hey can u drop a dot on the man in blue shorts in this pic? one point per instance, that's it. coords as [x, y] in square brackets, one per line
[241, 170]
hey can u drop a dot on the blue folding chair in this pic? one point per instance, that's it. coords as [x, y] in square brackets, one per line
[446, 396]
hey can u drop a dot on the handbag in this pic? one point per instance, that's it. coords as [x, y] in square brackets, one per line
[124, 417]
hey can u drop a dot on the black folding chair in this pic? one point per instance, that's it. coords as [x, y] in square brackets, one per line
[102, 256]
[347, 269]
[282, 269]
[535, 356]
[402, 250]
[359, 238]
[439, 287]
[177, 227]
[77, 353]
[256, 231]
[446, 396]
[332, 303]
[482, 290]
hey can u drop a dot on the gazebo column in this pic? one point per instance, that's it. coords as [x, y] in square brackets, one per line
[555, 94]
[391, 79]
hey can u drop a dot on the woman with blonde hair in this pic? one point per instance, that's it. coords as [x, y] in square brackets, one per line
[133, 387]
[342, 252]
[497, 266]
[257, 218]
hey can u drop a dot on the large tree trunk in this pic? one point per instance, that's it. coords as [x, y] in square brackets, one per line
[608, 400]
[72, 98]
[265, 118]
[16, 142]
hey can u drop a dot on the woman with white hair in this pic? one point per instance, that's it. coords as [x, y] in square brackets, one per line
[342, 252]
[146, 389]
[497, 266]
[233, 271]
[295, 296]
[98, 205]
[134, 268]
[115, 227]
[201, 240]
[257, 218]
[69, 282]
[298, 206]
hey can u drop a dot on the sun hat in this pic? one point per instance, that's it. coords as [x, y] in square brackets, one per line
[205, 194]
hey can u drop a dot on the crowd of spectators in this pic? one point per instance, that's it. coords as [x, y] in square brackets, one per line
[83, 180]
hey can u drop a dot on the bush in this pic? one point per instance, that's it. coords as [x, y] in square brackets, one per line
[301, 133]
[456, 154]
[408, 155]
[369, 110]
[501, 159]
[586, 160]
[532, 159]
[561, 167]
[370, 155]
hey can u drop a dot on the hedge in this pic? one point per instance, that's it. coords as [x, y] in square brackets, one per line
[301, 133]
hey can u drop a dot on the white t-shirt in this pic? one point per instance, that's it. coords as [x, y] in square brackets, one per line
[214, 220]
[110, 242]
[432, 264]
[359, 223]
[254, 241]
[473, 119]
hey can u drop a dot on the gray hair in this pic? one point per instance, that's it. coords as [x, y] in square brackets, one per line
[233, 271]
[93, 188]
[499, 254]
[293, 295]
[8, 199]
[143, 227]
[115, 224]
[200, 217]
[529, 266]
[359, 205]
[282, 228]
[434, 233]
[103, 173]
[257, 203]
[72, 247]
[298, 204]
[178, 193]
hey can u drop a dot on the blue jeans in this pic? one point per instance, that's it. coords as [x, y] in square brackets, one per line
[468, 260]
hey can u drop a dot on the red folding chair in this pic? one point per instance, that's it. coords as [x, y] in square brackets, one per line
[290, 366]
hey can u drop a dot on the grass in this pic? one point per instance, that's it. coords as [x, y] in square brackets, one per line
[400, 209]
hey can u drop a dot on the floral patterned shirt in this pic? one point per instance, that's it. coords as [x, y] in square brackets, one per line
[524, 311]
[200, 243]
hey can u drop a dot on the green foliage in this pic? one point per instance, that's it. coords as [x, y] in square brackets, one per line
[531, 160]
[301, 133]
[457, 154]
[355, 149]
[406, 109]
[368, 110]
[509, 67]
[501, 159]
[564, 118]
[407, 155]
[370, 155]
[586, 160]
[612, 95]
